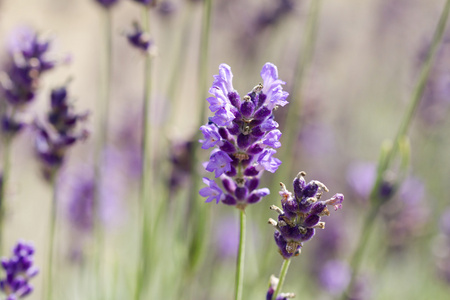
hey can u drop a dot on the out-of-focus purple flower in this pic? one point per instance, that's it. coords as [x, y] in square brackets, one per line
[19, 81]
[107, 3]
[300, 214]
[335, 276]
[52, 141]
[243, 134]
[28, 60]
[406, 215]
[139, 39]
[167, 8]
[19, 270]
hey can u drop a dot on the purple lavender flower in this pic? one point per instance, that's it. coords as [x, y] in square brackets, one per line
[139, 39]
[53, 140]
[19, 270]
[107, 3]
[28, 60]
[212, 191]
[300, 214]
[243, 134]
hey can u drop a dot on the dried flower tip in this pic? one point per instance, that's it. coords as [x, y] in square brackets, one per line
[301, 174]
[247, 98]
[292, 246]
[320, 225]
[311, 200]
[277, 209]
[258, 88]
[321, 185]
[273, 223]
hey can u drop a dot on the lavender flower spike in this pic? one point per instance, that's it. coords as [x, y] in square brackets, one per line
[243, 134]
[301, 214]
[19, 270]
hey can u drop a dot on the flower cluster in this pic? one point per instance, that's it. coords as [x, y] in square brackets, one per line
[139, 39]
[29, 59]
[273, 286]
[19, 270]
[53, 141]
[301, 214]
[244, 136]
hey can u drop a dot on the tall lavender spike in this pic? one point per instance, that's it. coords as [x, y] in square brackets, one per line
[243, 135]
[19, 270]
[301, 214]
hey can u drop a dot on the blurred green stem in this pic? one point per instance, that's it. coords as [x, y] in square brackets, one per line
[240, 257]
[282, 277]
[146, 178]
[199, 215]
[48, 294]
[105, 94]
[385, 162]
[4, 185]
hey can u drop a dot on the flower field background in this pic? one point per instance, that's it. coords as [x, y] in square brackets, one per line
[128, 225]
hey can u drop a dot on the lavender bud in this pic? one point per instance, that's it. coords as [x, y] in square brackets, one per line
[251, 171]
[241, 193]
[247, 108]
[262, 113]
[252, 184]
[229, 185]
[255, 149]
[257, 132]
[223, 132]
[311, 221]
[228, 147]
[234, 99]
[243, 141]
[229, 200]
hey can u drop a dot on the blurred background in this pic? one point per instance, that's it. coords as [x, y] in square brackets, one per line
[355, 88]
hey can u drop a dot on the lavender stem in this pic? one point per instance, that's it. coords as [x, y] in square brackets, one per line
[240, 257]
[3, 187]
[146, 178]
[283, 273]
[48, 293]
[105, 93]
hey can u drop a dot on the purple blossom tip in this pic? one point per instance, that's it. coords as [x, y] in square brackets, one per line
[212, 191]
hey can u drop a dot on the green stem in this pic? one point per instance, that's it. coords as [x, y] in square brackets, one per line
[51, 240]
[146, 178]
[240, 257]
[3, 187]
[204, 59]
[105, 93]
[282, 277]
[385, 163]
[198, 221]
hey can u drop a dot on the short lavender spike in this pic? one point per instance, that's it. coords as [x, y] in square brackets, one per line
[301, 214]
